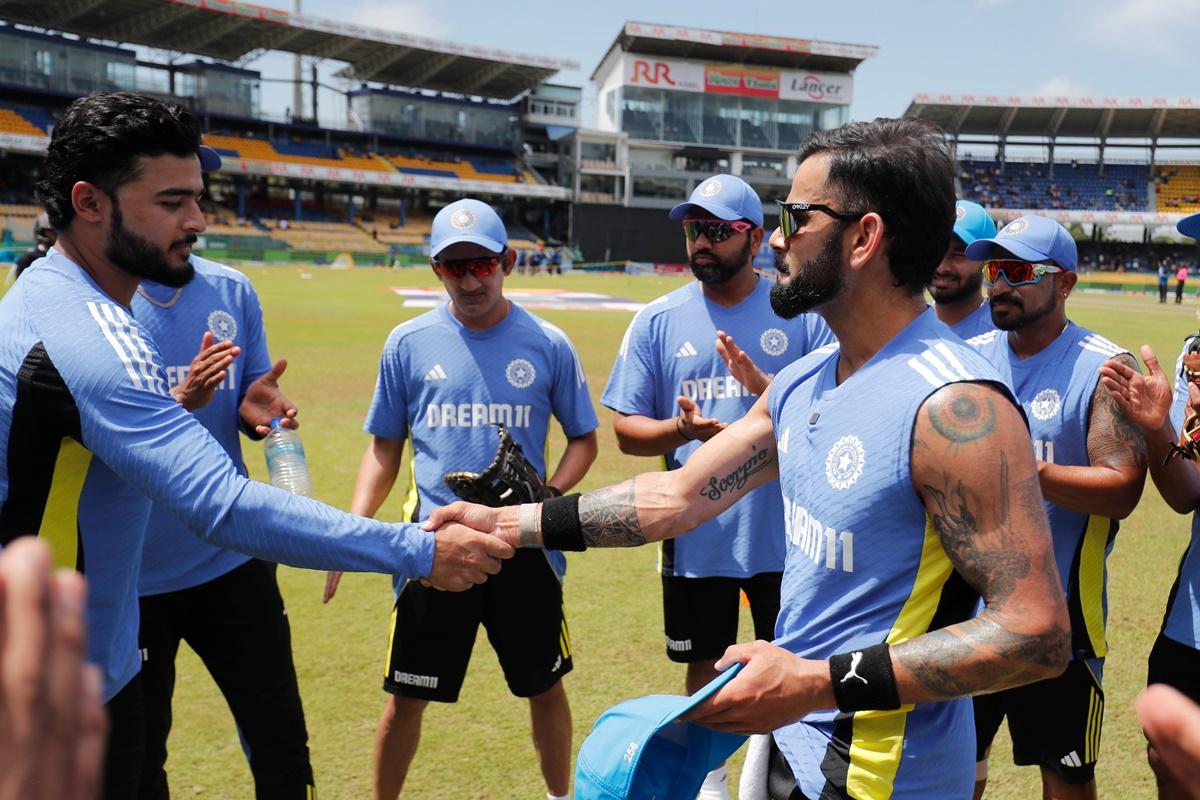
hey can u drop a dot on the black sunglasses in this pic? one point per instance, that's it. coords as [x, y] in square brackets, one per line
[792, 216]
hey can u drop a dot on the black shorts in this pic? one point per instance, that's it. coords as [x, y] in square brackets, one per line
[1054, 723]
[700, 615]
[1176, 665]
[521, 608]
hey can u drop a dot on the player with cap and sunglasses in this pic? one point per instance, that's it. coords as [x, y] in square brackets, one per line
[670, 390]
[445, 379]
[957, 286]
[1160, 410]
[1091, 463]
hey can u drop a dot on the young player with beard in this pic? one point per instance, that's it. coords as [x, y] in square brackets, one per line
[957, 286]
[909, 485]
[1091, 464]
[86, 412]
[670, 391]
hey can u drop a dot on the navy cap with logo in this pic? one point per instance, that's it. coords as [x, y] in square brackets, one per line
[1029, 238]
[1189, 226]
[210, 160]
[726, 197]
[638, 750]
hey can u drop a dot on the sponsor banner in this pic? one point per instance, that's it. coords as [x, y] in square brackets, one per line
[381, 178]
[22, 143]
[1097, 217]
[662, 73]
[817, 87]
[538, 299]
[741, 81]
[1048, 101]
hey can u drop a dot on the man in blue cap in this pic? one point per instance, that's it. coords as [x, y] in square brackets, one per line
[446, 378]
[1175, 657]
[1091, 467]
[957, 287]
[670, 390]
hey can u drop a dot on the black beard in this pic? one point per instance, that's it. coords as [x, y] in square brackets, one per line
[968, 288]
[1026, 317]
[719, 270]
[139, 257]
[818, 281]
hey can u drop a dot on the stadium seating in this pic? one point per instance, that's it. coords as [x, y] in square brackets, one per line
[324, 236]
[475, 169]
[316, 155]
[415, 230]
[24, 121]
[1121, 187]
[1178, 188]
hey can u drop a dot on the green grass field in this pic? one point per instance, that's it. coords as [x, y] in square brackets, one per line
[331, 326]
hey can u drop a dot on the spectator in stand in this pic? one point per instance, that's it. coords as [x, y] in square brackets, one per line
[1180, 279]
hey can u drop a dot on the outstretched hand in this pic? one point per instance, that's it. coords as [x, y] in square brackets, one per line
[464, 557]
[52, 722]
[1143, 399]
[208, 369]
[264, 402]
[691, 425]
[774, 688]
[741, 366]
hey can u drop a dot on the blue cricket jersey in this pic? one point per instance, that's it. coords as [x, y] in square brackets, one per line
[1181, 622]
[91, 435]
[1055, 388]
[977, 322]
[223, 301]
[865, 564]
[445, 387]
[669, 350]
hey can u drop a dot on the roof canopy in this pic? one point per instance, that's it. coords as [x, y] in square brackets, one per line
[1081, 117]
[230, 31]
[740, 48]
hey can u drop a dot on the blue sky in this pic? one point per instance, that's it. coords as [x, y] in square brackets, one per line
[1120, 48]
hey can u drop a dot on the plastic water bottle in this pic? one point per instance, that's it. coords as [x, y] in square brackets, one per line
[285, 459]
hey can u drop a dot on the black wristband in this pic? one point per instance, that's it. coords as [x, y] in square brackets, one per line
[560, 524]
[553, 491]
[863, 680]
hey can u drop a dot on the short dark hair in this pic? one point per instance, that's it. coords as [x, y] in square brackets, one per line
[902, 170]
[99, 140]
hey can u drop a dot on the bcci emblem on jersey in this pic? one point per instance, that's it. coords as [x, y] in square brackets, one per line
[222, 325]
[773, 341]
[1045, 404]
[844, 464]
[520, 373]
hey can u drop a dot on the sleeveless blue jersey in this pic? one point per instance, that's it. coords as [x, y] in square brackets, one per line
[977, 322]
[445, 386]
[223, 301]
[1055, 388]
[90, 435]
[864, 563]
[1182, 619]
[669, 351]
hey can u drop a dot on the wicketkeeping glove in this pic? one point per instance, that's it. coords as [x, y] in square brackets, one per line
[508, 481]
[1188, 445]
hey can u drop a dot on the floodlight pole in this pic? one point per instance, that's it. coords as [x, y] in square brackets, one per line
[297, 76]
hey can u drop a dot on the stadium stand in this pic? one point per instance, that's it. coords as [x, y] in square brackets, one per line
[1074, 185]
[324, 236]
[22, 121]
[466, 168]
[1177, 188]
[309, 153]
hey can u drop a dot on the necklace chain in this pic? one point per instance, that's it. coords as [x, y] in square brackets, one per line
[174, 298]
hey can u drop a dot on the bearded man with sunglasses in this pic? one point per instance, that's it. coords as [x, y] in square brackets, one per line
[446, 378]
[670, 390]
[1091, 462]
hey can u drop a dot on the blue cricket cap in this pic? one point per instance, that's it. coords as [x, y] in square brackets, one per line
[1189, 226]
[210, 160]
[726, 197]
[971, 222]
[1028, 238]
[467, 221]
[638, 751]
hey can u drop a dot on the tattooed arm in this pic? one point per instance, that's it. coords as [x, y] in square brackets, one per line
[1112, 485]
[973, 466]
[657, 505]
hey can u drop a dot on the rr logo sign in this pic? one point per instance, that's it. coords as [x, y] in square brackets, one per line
[655, 73]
